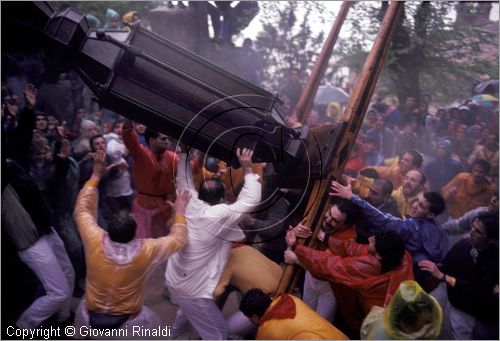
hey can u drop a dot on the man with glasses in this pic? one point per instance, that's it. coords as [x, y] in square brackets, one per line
[153, 176]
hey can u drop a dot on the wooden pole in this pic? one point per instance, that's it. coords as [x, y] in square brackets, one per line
[355, 110]
[306, 99]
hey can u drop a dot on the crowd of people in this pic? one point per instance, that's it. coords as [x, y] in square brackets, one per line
[93, 203]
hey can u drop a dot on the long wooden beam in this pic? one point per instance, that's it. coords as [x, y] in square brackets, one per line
[355, 111]
[306, 99]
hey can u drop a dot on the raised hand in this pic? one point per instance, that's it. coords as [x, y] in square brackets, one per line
[30, 96]
[245, 158]
[65, 150]
[301, 230]
[61, 129]
[337, 190]
[181, 202]
[99, 164]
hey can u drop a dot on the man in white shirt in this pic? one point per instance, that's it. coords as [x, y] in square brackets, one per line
[193, 273]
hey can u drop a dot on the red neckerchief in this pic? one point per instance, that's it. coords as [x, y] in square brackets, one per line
[283, 309]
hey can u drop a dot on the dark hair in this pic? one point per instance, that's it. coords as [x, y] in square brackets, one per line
[371, 139]
[211, 191]
[92, 139]
[117, 122]
[386, 185]
[346, 207]
[121, 227]
[390, 247]
[483, 164]
[436, 202]
[490, 222]
[417, 157]
[255, 302]
[150, 133]
[349, 172]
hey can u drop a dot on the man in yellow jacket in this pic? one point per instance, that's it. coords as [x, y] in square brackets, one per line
[406, 195]
[286, 318]
[118, 264]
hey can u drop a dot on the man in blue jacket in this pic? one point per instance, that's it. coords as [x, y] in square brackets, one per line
[424, 238]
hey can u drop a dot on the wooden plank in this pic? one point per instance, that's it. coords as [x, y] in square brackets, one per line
[355, 110]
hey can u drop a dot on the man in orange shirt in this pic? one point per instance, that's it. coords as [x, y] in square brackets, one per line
[469, 190]
[119, 264]
[153, 170]
[286, 318]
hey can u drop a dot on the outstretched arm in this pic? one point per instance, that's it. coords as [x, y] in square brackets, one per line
[131, 140]
[250, 194]
[184, 179]
[177, 237]
[373, 215]
[86, 203]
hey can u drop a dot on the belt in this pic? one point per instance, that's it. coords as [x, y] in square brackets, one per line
[106, 321]
[164, 196]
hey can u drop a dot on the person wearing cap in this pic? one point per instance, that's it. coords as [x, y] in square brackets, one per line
[443, 168]
[112, 20]
[410, 315]
[463, 112]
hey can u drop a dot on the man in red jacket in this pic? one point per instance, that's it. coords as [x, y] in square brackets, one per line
[373, 271]
[153, 174]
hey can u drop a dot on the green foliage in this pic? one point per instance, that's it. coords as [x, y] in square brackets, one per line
[287, 39]
[430, 53]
